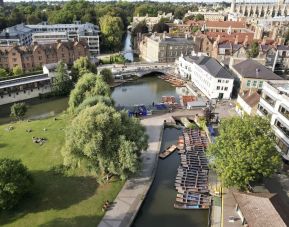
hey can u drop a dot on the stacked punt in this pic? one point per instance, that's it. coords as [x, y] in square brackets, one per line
[192, 175]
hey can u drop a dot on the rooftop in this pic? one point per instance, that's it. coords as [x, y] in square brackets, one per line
[226, 24]
[282, 87]
[210, 65]
[16, 30]
[262, 209]
[252, 99]
[23, 80]
[253, 69]
[162, 38]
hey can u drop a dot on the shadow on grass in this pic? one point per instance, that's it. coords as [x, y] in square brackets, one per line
[80, 221]
[51, 192]
[3, 145]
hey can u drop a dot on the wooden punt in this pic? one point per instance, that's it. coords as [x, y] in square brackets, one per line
[191, 207]
[194, 200]
[168, 151]
[192, 190]
[196, 173]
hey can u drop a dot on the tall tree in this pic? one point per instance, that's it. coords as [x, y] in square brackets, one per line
[107, 76]
[89, 85]
[160, 27]
[244, 152]
[112, 29]
[105, 141]
[18, 110]
[81, 66]
[61, 82]
[254, 50]
[15, 181]
[141, 27]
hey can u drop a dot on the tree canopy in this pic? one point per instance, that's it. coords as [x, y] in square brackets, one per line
[160, 27]
[105, 141]
[3, 72]
[244, 152]
[17, 70]
[61, 82]
[254, 50]
[89, 85]
[112, 29]
[107, 76]
[141, 27]
[15, 181]
[18, 110]
[81, 66]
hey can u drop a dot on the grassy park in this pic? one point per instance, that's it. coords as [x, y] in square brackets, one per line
[55, 199]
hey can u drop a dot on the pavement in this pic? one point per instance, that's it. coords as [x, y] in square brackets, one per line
[130, 198]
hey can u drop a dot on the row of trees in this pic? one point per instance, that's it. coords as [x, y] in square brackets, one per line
[16, 71]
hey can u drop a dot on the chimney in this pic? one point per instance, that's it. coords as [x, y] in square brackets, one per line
[245, 41]
[236, 39]
[257, 71]
[264, 40]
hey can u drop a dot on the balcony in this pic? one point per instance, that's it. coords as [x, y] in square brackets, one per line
[269, 100]
[282, 128]
[284, 112]
[264, 111]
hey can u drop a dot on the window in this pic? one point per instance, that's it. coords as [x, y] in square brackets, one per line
[248, 83]
[218, 87]
[260, 84]
[282, 127]
[284, 111]
[254, 83]
[226, 88]
[227, 81]
[219, 81]
[14, 59]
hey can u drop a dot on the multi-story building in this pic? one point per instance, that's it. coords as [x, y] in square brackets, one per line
[163, 48]
[252, 75]
[22, 34]
[208, 75]
[274, 103]
[213, 16]
[36, 55]
[50, 37]
[277, 57]
[19, 34]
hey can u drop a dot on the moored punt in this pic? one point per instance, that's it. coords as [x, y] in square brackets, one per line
[193, 190]
[191, 195]
[193, 201]
[168, 151]
[188, 186]
[190, 207]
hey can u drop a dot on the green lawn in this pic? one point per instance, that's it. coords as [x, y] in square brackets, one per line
[55, 200]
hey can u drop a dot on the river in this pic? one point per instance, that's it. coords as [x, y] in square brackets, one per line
[127, 47]
[157, 209]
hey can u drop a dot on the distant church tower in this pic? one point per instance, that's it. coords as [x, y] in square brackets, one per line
[233, 6]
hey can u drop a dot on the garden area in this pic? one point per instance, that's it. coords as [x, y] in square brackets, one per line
[55, 199]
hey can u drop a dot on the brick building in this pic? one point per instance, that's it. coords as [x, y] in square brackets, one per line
[36, 55]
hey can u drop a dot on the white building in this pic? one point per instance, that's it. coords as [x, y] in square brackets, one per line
[22, 34]
[208, 75]
[274, 103]
[50, 37]
[19, 34]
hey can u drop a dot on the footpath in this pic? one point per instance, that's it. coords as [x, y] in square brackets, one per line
[130, 198]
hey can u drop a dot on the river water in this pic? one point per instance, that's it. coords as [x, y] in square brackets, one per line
[128, 48]
[157, 209]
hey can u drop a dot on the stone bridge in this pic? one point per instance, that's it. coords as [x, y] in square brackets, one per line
[138, 69]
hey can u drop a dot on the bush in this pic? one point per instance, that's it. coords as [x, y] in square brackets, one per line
[15, 181]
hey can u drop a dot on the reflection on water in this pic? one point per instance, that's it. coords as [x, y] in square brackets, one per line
[145, 91]
[157, 209]
[37, 109]
[142, 91]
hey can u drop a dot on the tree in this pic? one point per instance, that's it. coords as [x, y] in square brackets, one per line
[105, 141]
[3, 72]
[160, 27]
[81, 66]
[199, 17]
[61, 82]
[254, 51]
[286, 37]
[18, 110]
[141, 27]
[15, 181]
[107, 75]
[244, 152]
[112, 29]
[17, 70]
[89, 85]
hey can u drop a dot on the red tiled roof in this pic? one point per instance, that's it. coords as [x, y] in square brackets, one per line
[251, 99]
[194, 22]
[226, 24]
[225, 37]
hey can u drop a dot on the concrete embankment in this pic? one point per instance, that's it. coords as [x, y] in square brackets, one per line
[130, 198]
